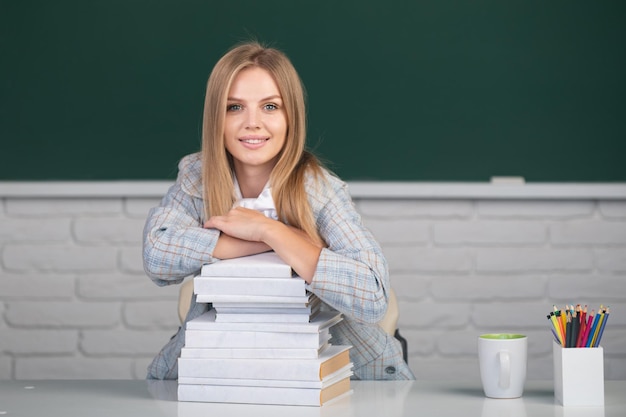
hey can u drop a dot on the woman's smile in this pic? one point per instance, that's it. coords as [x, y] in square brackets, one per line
[254, 140]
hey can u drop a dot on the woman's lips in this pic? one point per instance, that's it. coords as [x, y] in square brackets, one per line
[253, 141]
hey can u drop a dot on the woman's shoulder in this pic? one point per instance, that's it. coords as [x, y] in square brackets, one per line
[190, 174]
[325, 185]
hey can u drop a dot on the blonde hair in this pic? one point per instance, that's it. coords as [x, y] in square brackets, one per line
[289, 174]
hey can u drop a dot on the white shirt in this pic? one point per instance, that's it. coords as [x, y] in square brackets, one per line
[264, 203]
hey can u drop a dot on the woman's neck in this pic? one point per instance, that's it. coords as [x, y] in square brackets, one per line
[251, 184]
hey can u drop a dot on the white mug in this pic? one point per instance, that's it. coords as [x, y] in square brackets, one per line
[502, 358]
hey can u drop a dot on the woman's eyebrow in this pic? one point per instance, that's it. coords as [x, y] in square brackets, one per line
[273, 97]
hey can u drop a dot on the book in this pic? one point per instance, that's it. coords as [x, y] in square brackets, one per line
[267, 264]
[312, 300]
[263, 395]
[264, 341]
[233, 339]
[330, 360]
[286, 287]
[265, 317]
[260, 299]
[324, 320]
[337, 376]
[265, 310]
[261, 353]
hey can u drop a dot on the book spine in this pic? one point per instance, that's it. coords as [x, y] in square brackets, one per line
[286, 287]
[261, 310]
[250, 382]
[297, 301]
[235, 339]
[276, 369]
[262, 318]
[258, 353]
[249, 395]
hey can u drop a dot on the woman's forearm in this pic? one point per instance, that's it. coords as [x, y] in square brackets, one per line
[294, 247]
[228, 247]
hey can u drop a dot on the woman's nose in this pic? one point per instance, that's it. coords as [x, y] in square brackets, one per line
[253, 120]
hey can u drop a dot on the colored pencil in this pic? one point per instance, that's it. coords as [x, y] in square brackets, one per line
[556, 329]
[588, 327]
[575, 330]
[568, 330]
[574, 327]
[606, 318]
[596, 319]
[596, 330]
[583, 327]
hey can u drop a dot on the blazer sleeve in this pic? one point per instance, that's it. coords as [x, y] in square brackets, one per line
[352, 274]
[175, 244]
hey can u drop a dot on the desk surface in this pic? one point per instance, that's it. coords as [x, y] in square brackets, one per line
[138, 398]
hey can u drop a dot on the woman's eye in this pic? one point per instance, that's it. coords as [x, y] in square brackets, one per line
[233, 107]
[271, 106]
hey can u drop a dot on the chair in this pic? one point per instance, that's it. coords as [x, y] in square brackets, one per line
[389, 322]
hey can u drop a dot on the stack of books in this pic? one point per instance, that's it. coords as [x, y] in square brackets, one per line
[265, 341]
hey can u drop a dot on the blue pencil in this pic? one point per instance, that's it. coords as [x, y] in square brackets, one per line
[606, 318]
[556, 338]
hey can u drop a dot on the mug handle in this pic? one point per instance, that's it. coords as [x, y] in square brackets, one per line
[505, 369]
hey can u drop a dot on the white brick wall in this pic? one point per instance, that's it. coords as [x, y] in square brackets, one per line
[465, 267]
[74, 300]
[75, 303]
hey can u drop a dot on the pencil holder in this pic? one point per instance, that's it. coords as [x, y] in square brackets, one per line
[578, 375]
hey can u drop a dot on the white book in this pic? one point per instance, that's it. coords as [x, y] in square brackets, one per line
[264, 318]
[264, 395]
[284, 287]
[311, 301]
[329, 361]
[233, 339]
[261, 299]
[345, 372]
[323, 320]
[267, 264]
[269, 353]
[265, 310]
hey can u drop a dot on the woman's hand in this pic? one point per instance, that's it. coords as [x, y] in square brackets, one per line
[241, 223]
[245, 228]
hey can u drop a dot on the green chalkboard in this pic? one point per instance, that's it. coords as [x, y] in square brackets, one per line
[398, 90]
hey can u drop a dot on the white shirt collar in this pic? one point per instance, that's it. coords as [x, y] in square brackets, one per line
[264, 203]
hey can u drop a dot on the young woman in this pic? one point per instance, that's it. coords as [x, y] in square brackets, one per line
[253, 155]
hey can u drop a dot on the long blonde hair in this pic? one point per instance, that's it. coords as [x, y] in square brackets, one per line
[289, 174]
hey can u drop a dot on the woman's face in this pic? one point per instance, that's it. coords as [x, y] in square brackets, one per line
[255, 127]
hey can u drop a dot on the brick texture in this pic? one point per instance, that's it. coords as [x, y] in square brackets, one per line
[75, 302]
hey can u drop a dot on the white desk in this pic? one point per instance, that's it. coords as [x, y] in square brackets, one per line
[136, 398]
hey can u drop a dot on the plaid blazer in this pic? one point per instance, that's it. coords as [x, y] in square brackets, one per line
[351, 276]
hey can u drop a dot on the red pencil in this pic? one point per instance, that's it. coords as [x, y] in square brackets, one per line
[583, 342]
[583, 327]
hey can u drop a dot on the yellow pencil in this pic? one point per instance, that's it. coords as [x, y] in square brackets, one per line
[563, 323]
[557, 328]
